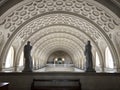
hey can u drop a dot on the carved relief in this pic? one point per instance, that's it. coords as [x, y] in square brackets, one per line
[80, 7]
[52, 19]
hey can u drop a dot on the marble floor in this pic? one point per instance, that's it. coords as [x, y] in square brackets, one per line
[59, 68]
[69, 68]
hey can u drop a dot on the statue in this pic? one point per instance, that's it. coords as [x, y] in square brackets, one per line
[88, 54]
[28, 59]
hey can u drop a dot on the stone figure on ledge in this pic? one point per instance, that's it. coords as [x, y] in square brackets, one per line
[28, 59]
[88, 55]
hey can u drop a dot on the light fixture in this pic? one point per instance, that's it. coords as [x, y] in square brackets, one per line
[56, 59]
[63, 59]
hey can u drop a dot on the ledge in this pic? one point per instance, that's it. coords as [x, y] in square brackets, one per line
[58, 74]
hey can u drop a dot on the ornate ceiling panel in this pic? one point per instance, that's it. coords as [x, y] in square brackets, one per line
[59, 19]
[33, 8]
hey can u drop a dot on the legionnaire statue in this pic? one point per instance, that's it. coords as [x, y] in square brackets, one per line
[88, 55]
[28, 59]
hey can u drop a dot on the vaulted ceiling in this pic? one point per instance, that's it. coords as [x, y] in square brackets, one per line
[53, 25]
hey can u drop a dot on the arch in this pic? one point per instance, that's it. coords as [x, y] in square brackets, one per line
[21, 61]
[10, 58]
[65, 57]
[108, 58]
[71, 33]
[91, 13]
[97, 60]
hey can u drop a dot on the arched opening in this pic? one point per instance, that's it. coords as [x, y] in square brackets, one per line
[108, 58]
[59, 57]
[98, 65]
[10, 58]
[59, 61]
[97, 60]
[21, 59]
[33, 61]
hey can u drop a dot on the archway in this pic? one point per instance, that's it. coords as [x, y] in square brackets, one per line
[36, 21]
[59, 57]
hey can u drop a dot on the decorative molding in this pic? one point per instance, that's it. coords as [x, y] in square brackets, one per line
[58, 19]
[34, 8]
